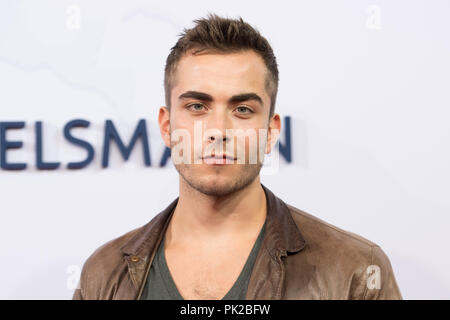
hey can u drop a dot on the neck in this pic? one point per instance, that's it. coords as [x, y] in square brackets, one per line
[200, 217]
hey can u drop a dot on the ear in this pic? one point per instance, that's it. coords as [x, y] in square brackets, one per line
[164, 124]
[273, 132]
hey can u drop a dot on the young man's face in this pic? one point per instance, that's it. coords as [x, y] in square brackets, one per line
[214, 93]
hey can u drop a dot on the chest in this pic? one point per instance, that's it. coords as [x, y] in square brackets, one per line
[200, 274]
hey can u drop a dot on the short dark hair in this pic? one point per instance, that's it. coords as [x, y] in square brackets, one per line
[223, 35]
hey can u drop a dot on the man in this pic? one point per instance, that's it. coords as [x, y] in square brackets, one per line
[227, 236]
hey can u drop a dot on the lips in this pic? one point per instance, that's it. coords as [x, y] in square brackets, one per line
[224, 156]
[219, 159]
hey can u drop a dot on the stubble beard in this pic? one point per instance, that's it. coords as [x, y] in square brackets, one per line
[217, 188]
[220, 187]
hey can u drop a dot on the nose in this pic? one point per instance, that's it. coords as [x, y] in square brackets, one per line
[217, 126]
[215, 137]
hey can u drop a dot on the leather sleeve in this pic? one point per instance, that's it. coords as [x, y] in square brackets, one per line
[78, 294]
[379, 279]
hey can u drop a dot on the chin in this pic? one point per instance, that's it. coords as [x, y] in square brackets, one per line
[214, 186]
[218, 184]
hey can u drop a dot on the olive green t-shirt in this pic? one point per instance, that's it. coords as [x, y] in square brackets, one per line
[160, 284]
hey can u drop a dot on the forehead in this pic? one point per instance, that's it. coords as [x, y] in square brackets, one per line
[221, 74]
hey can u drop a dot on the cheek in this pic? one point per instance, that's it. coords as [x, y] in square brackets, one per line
[250, 145]
[177, 123]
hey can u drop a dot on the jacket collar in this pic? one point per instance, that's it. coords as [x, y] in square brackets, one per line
[282, 234]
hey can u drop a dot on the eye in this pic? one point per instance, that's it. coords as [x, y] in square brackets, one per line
[244, 110]
[194, 105]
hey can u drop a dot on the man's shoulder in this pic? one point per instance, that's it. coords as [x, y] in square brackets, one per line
[101, 265]
[341, 254]
[111, 250]
[108, 261]
[318, 232]
[336, 248]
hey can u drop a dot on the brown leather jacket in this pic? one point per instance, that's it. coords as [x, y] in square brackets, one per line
[301, 257]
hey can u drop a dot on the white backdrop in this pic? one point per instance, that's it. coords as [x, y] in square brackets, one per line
[366, 84]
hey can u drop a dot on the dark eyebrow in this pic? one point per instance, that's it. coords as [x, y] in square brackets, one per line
[196, 95]
[244, 97]
[206, 97]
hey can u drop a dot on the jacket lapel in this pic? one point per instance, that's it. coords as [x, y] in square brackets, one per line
[140, 250]
[281, 236]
